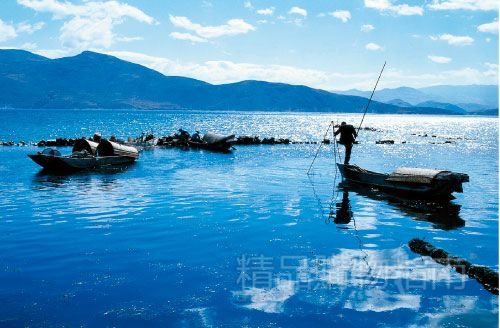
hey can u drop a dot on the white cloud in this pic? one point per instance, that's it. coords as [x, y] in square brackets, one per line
[378, 4]
[439, 59]
[377, 300]
[467, 75]
[187, 37]
[25, 27]
[492, 70]
[367, 28]
[29, 46]
[399, 10]
[268, 300]
[129, 38]
[454, 40]
[111, 9]
[298, 11]
[489, 27]
[7, 31]
[231, 28]
[406, 10]
[220, 71]
[297, 21]
[343, 15]
[83, 33]
[89, 24]
[248, 5]
[266, 11]
[484, 5]
[54, 53]
[373, 46]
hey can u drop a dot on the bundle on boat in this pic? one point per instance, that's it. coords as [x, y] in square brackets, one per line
[85, 155]
[485, 276]
[413, 182]
[109, 148]
[84, 146]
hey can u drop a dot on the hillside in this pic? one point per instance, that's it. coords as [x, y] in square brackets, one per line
[460, 99]
[94, 80]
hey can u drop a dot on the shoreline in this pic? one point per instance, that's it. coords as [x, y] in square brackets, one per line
[225, 111]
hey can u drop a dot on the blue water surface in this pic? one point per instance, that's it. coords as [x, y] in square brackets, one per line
[188, 238]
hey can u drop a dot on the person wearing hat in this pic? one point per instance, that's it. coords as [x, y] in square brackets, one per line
[196, 137]
[96, 137]
[348, 135]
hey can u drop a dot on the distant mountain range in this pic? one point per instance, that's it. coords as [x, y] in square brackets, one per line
[461, 99]
[94, 80]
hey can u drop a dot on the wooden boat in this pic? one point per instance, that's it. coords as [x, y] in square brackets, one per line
[411, 182]
[86, 155]
[214, 142]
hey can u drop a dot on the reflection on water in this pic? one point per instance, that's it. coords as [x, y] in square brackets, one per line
[107, 176]
[443, 214]
[343, 214]
[379, 281]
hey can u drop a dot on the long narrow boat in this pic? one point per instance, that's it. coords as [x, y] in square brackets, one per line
[86, 155]
[214, 142]
[412, 182]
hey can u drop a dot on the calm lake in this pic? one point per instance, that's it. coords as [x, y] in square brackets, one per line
[194, 238]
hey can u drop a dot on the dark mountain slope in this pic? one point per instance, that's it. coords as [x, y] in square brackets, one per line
[93, 80]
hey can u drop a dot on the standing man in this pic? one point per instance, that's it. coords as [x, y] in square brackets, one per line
[348, 135]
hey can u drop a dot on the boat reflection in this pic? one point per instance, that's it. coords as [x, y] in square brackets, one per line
[106, 178]
[442, 214]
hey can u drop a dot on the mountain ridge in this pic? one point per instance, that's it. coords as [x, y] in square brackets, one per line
[95, 80]
[470, 98]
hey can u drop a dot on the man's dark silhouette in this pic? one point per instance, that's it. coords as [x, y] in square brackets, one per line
[347, 136]
[344, 212]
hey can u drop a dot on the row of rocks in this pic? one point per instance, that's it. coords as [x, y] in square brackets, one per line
[171, 141]
[12, 143]
[59, 142]
[241, 140]
[443, 137]
[487, 277]
[247, 140]
[367, 128]
[182, 140]
[442, 143]
[391, 142]
[384, 142]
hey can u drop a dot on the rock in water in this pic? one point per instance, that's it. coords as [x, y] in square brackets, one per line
[487, 277]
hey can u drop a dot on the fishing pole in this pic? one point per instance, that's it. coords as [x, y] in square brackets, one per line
[337, 152]
[370, 100]
[319, 148]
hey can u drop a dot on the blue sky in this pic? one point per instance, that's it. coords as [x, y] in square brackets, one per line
[329, 44]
